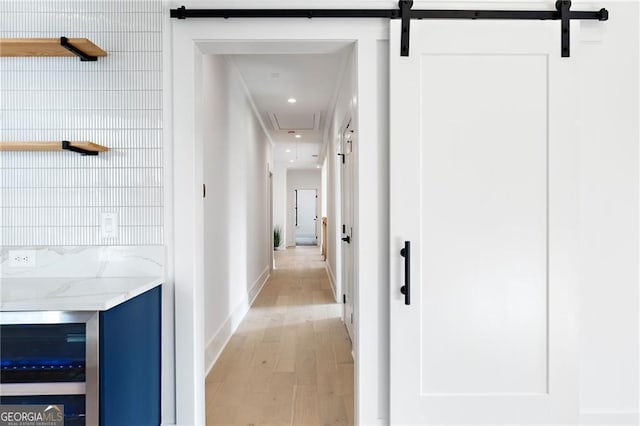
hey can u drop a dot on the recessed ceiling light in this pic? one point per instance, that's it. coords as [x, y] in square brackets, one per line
[287, 150]
[318, 166]
[291, 161]
[298, 136]
[292, 100]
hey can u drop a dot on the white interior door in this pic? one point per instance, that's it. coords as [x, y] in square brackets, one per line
[306, 217]
[483, 185]
[346, 176]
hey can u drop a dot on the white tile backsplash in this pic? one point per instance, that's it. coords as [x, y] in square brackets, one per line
[88, 81]
[81, 119]
[80, 6]
[108, 100]
[82, 22]
[58, 178]
[113, 138]
[116, 158]
[123, 61]
[81, 217]
[54, 199]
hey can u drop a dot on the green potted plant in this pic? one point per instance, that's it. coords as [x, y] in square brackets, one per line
[276, 237]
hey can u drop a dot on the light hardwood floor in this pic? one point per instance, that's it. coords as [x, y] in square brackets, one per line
[289, 362]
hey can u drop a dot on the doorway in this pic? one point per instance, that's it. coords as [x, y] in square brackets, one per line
[306, 217]
[247, 125]
[365, 96]
[260, 349]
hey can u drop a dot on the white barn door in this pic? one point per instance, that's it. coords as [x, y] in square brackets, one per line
[484, 187]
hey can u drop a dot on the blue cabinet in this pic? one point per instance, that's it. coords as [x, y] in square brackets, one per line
[130, 362]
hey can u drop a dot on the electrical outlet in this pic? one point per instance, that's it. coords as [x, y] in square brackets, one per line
[22, 258]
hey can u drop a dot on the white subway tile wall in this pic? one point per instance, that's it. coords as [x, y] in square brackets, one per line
[56, 198]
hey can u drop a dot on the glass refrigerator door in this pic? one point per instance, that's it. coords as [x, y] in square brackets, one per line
[42, 353]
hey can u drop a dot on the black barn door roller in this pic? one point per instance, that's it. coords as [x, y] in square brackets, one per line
[563, 13]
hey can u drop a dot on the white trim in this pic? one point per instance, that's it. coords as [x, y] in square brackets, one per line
[168, 365]
[609, 418]
[219, 341]
[332, 281]
[258, 284]
[188, 243]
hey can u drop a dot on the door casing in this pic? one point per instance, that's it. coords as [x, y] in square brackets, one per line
[186, 43]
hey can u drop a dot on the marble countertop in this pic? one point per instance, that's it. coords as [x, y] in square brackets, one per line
[71, 294]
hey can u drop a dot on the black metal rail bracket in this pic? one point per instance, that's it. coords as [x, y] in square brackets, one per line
[64, 42]
[563, 13]
[563, 7]
[66, 145]
[405, 15]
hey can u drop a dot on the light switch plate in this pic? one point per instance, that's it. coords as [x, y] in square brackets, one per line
[109, 225]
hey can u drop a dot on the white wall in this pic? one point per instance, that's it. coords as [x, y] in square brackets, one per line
[301, 179]
[323, 188]
[372, 227]
[332, 198]
[344, 109]
[608, 55]
[237, 252]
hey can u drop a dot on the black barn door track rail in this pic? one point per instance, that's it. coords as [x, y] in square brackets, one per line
[563, 13]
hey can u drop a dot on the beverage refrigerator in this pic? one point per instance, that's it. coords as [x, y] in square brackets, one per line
[51, 358]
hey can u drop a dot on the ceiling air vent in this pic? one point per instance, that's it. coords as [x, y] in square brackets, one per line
[283, 121]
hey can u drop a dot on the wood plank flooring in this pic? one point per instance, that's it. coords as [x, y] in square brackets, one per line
[289, 362]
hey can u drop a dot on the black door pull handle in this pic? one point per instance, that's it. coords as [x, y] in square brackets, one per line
[347, 239]
[406, 288]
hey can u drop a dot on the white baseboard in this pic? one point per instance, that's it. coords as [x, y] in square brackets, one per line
[217, 343]
[332, 281]
[257, 285]
[609, 418]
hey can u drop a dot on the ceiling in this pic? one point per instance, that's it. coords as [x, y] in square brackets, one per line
[312, 79]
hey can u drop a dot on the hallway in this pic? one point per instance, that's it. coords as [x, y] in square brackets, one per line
[289, 362]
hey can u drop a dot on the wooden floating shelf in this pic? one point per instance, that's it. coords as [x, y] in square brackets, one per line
[85, 148]
[50, 47]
